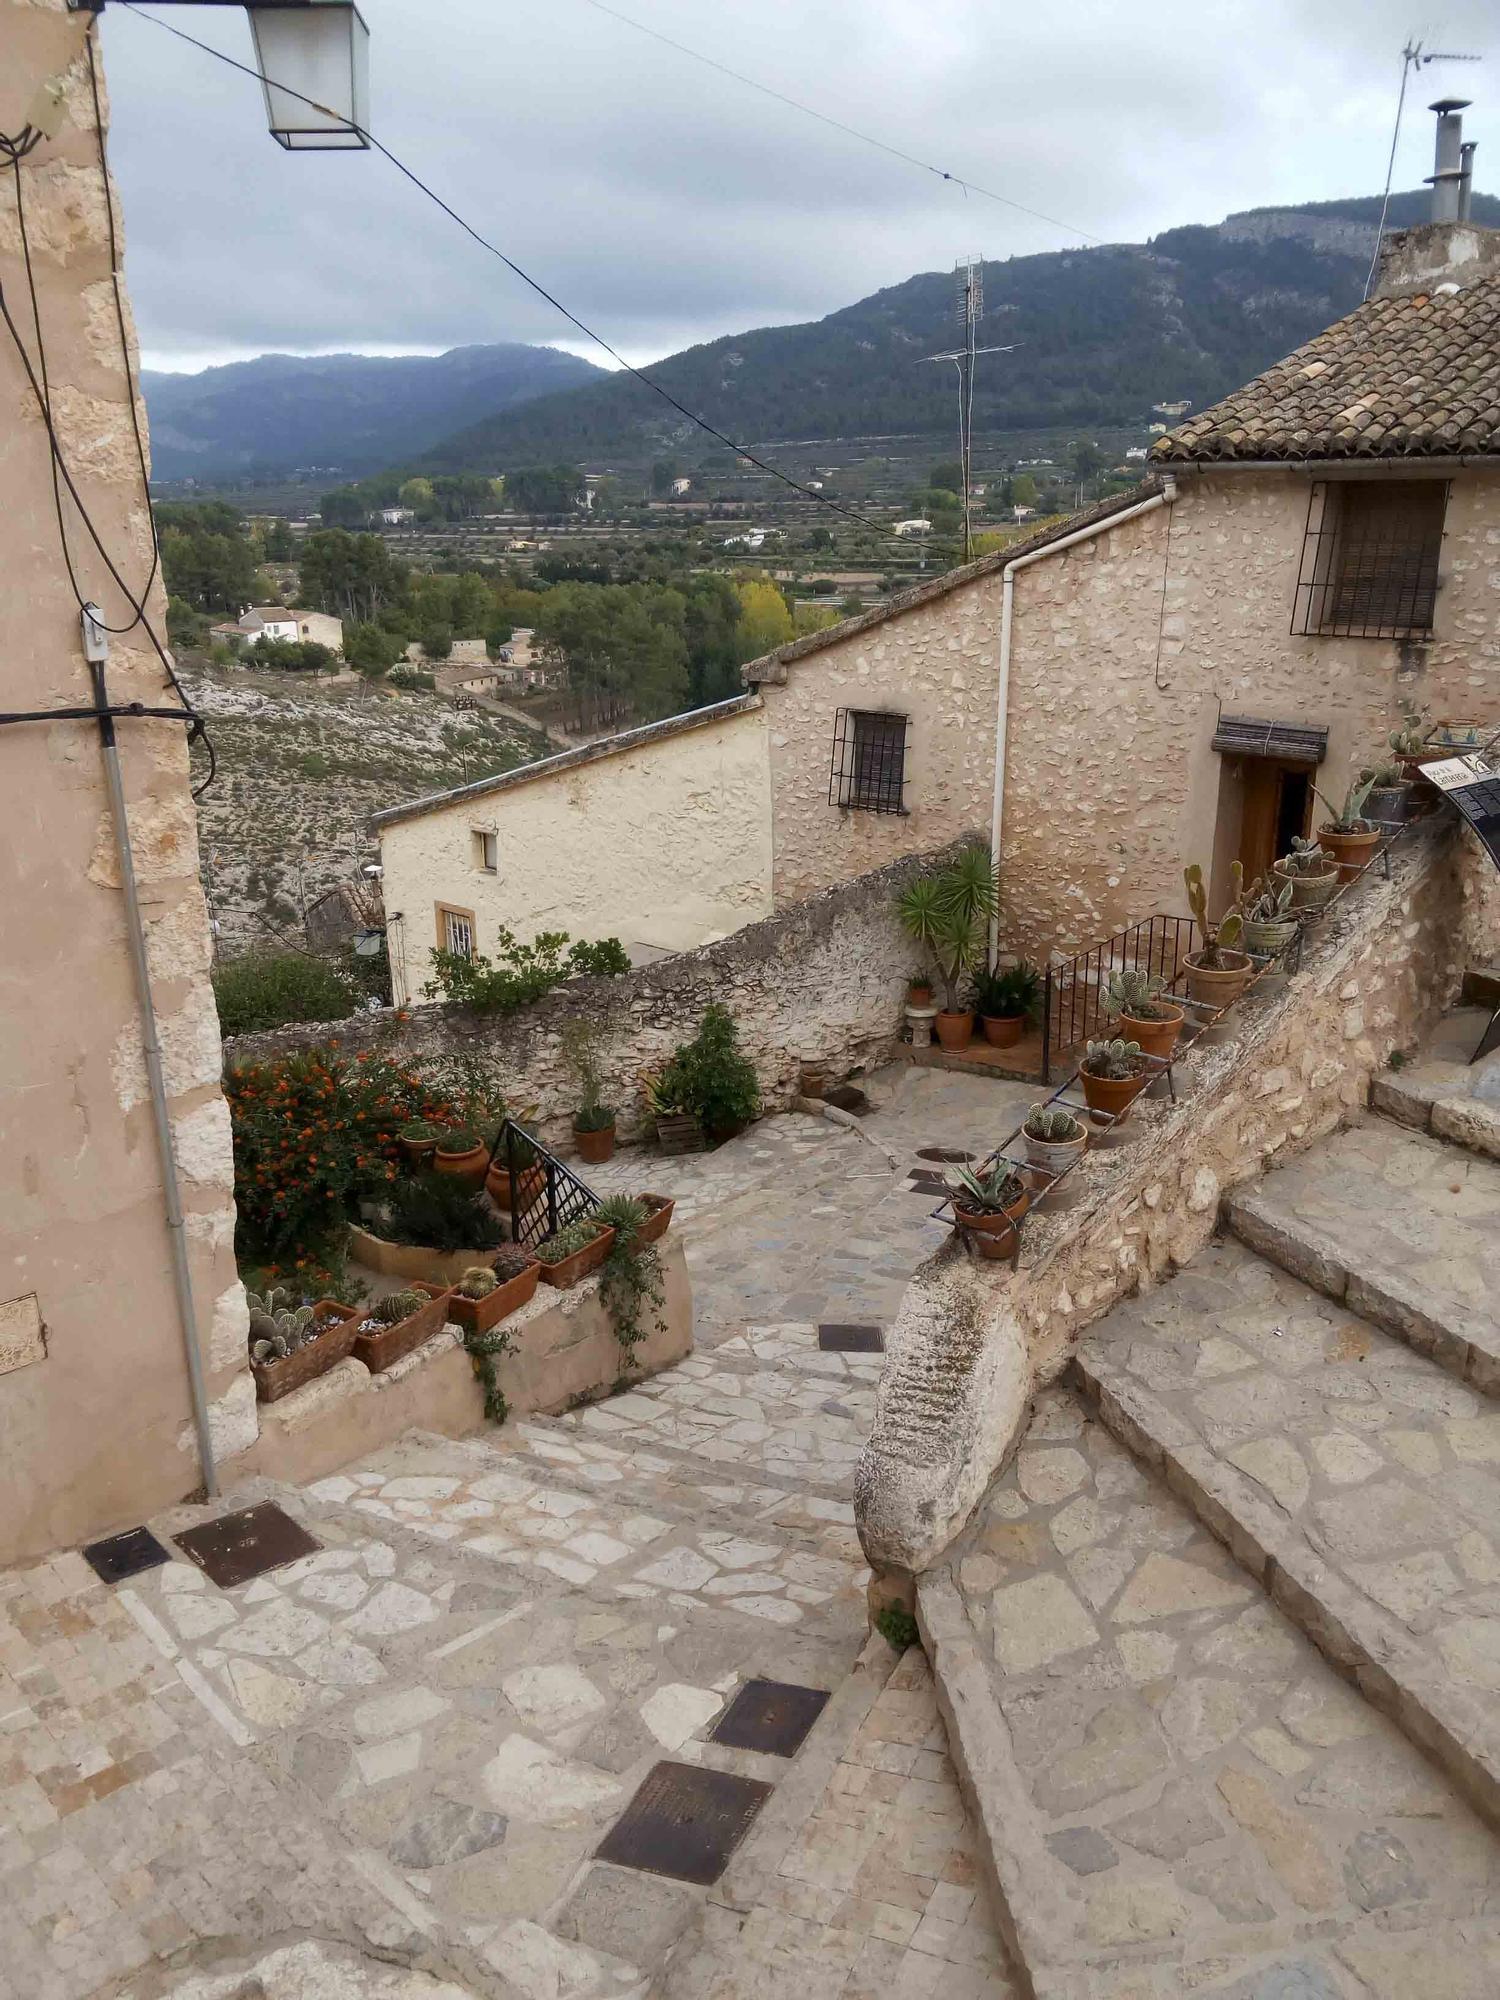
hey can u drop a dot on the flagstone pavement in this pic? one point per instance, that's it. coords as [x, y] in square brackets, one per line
[384, 1769]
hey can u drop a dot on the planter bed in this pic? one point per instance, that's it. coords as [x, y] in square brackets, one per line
[410, 1260]
[654, 1228]
[275, 1379]
[480, 1315]
[581, 1263]
[382, 1347]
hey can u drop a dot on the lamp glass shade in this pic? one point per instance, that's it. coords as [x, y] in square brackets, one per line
[318, 50]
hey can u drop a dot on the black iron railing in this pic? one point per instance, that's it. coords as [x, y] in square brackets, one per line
[1073, 988]
[544, 1194]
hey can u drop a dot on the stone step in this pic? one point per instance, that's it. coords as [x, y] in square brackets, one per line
[1443, 1092]
[1353, 1479]
[1175, 1791]
[1402, 1228]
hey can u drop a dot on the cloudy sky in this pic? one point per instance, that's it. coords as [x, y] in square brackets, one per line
[669, 204]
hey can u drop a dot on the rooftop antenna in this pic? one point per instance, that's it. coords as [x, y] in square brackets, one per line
[969, 290]
[1413, 57]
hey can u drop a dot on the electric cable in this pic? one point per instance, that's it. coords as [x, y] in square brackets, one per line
[808, 492]
[838, 124]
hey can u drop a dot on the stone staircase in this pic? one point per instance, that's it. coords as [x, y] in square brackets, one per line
[1220, 1653]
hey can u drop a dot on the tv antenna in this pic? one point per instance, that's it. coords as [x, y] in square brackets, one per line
[969, 289]
[1415, 56]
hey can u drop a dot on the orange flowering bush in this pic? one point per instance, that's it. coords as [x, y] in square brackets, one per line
[314, 1133]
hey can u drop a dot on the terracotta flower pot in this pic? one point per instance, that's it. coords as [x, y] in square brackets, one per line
[480, 1315]
[382, 1349]
[992, 1231]
[596, 1146]
[918, 995]
[416, 1152]
[1219, 986]
[497, 1186]
[1157, 1038]
[1309, 892]
[655, 1226]
[1350, 850]
[954, 1031]
[275, 1379]
[468, 1166]
[1003, 1031]
[568, 1272]
[1055, 1156]
[1112, 1095]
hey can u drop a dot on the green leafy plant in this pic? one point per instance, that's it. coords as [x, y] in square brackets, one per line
[711, 1078]
[946, 913]
[1306, 857]
[271, 989]
[1052, 1124]
[987, 1191]
[459, 1139]
[422, 1131]
[438, 1212]
[897, 1627]
[1131, 991]
[1349, 817]
[632, 1275]
[570, 1240]
[1015, 990]
[597, 957]
[581, 1053]
[519, 973]
[1116, 1060]
[1224, 935]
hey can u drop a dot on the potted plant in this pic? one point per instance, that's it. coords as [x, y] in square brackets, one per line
[516, 1145]
[1270, 924]
[1055, 1139]
[593, 1121]
[988, 1203]
[677, 1128]
[427, 1226]
[488, 1293]
[712, 1079]
[1007, 1001]
[919, 990]
[574, 1251]
[1113, 1075]
[1134, 999]
[395, 1326]
[418, 1139]
[462, 1152]
[946, 913]
[1390, 794]
[632, 1279]
[1218, 972]
[291, 1345]
[658, 1209]
[1349, 837]
[1312, 872]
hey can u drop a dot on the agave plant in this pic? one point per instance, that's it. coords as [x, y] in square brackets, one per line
[1219, 936]
[1349, 817]
[946, 913]
[989, 1191]
[1272, 905]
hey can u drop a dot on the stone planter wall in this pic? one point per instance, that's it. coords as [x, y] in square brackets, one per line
[973, 1341]
[823, 983]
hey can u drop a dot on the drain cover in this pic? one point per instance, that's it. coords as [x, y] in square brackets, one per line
[948, 1154]
[125, 1555]
[851, 1339]
[240, 1546]
[684, 1822]
[772, 1716]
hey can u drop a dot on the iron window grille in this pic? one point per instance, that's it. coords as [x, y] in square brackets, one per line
[1370, 558]
[868, 768]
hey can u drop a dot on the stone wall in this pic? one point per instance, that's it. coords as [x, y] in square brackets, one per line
[973, 1340]
[93, 1374]
[823, 982]
[660, 837]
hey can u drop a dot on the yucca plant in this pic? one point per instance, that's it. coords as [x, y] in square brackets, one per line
[947, 912]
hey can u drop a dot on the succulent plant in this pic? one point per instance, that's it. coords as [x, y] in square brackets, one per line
[577, 1236]
[1410, 740]
[396, 1306]
[1116, 1059]
[624, 1214]
[478, 1282]
[988, 1191]
[1272, 905]
[1306, 857]
[1051, 1124]
[1349, 817]
[510, 1261]
[277, 1327]
[1130, 991]
[1224, 935]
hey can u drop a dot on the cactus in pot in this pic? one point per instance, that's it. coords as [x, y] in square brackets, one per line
[1113, 1074]
[1054, 1138]
[277, 1328]
[1348, 836]
[1270, 925]
[1218, 972]
[1145, 1010]
[1312, 872]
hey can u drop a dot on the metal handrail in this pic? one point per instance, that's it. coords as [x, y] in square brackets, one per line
[1072, 988]
[545, 1194]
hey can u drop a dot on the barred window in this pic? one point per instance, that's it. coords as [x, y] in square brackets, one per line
[868, 770]
[1370, 558]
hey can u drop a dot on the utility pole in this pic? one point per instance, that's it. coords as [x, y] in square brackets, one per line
[969, 286]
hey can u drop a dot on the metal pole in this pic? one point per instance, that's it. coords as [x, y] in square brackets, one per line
[176, 1231]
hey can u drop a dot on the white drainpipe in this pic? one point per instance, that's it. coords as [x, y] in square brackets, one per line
[1007, 602]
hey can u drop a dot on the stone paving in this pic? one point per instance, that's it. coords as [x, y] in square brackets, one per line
[1443, 1090]
[402, 1750]
[1219, 1812]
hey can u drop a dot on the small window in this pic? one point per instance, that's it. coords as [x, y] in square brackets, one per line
[455, 931]
[486, 851]
[868, 771]
[1370, 558]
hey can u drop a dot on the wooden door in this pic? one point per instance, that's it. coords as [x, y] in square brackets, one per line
[1261, 816]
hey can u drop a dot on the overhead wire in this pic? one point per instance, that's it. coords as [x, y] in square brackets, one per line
[838, 124]
[640, 375]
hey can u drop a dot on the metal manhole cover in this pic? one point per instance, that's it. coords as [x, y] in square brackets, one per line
[125, 1555]
[240, 1546]
[773, 1716]
[684, 1822]
[949, 1155]
[851, 1339]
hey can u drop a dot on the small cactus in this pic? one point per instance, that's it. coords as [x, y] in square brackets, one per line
[1224, 935]
[1051, 1124]
[478, 1282]
[1131, 991]
[1306, 857]
[1116, 1059]
[397, 1306]
[277, 1328]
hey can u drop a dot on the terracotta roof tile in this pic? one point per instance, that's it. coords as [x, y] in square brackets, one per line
[1399, 378]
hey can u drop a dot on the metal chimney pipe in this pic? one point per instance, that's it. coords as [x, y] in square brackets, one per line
[1466, 185]
[1447, 172]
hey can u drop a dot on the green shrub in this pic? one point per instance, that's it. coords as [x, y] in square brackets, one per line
[270, 989]
[519, 973]
[897, 1627]
[711, 1078]
[438, 1212]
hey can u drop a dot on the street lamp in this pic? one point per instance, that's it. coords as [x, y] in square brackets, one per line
[313, 60]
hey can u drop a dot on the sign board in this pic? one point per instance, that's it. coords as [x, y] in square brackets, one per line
[1472, 782]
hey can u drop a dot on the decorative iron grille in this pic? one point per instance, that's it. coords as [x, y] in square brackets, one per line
[545, 1194]
[1073, 991]
[868, 770]
[1370, 559]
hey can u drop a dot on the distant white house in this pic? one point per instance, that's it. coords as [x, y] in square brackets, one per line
[916, 526]
[393, 517]
[753, 538]
[680, 487]
[1172, 409]
[1136, 451]
[278, 621]
[1022, 513]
